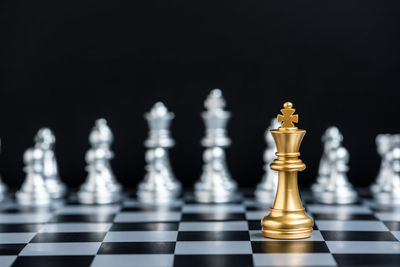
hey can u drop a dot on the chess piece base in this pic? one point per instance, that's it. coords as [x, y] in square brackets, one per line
[280, 224]
[56, 188]
[151, 192]
[149, 197]
[346, 196]
[387, 199]
[265, 195]
[203, 196]
[87, 197]
[115, 187]
[319, 186]
[30, 199]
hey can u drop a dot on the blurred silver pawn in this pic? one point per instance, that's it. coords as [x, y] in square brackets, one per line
[159, 184]
[266, 189]
[388, 193]
[384, 147]
[216, 184]
[331, 139]
[337, 189]
[100, 186]
[102, 137]
[3, 186]
[45, 141]
[34, 191]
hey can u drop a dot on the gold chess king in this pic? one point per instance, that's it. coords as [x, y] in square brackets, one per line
[287, 218]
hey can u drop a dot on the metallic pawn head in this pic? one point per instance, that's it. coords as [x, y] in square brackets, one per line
[159, 120]
[101, 133]
[332, 133]
[332, 138]
[45, 138]
[383, 143]
[215, 100]
[215, 119]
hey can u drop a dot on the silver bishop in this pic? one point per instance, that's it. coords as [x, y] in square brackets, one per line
[100, 186]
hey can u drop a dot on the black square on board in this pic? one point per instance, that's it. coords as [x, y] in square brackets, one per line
[99, 217]
[26, 209]
[213, 260]
[11, 249]
[68, 237]
[219, 216]
[358, 236]
[289, 247]
[147, 226]
[367, 259]
[137, 248]
[152, 208]
[20, 227]
[258, 208]
[52, 261]
[254, 225]
[214, 236]
[344, 216]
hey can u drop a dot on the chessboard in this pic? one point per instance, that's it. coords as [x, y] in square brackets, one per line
[186, 233]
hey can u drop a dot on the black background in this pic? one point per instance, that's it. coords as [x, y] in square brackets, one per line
[66, 63]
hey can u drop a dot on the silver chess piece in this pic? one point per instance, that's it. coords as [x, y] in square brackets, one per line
[216, 184]
[102, 137]
[34, 191]
[384, 146]
[388, 191]
[3, 187]
[100, 186]
[337, 189]
[159, 184]
[331, 139]
[266, 189]
[45, 141]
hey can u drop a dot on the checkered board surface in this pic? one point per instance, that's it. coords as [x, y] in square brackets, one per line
[189, 234]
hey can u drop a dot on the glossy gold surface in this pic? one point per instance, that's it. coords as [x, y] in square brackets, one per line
[287, 218]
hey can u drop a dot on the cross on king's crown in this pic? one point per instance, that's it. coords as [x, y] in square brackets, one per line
[288, 118]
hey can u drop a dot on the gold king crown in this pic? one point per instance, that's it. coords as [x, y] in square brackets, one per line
[287, 118]
[287, 218]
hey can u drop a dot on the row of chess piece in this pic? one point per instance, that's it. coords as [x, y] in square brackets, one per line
[332, 185]
[42, 183]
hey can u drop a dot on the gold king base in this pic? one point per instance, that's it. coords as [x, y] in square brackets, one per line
[287, 218]
[292, 224]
